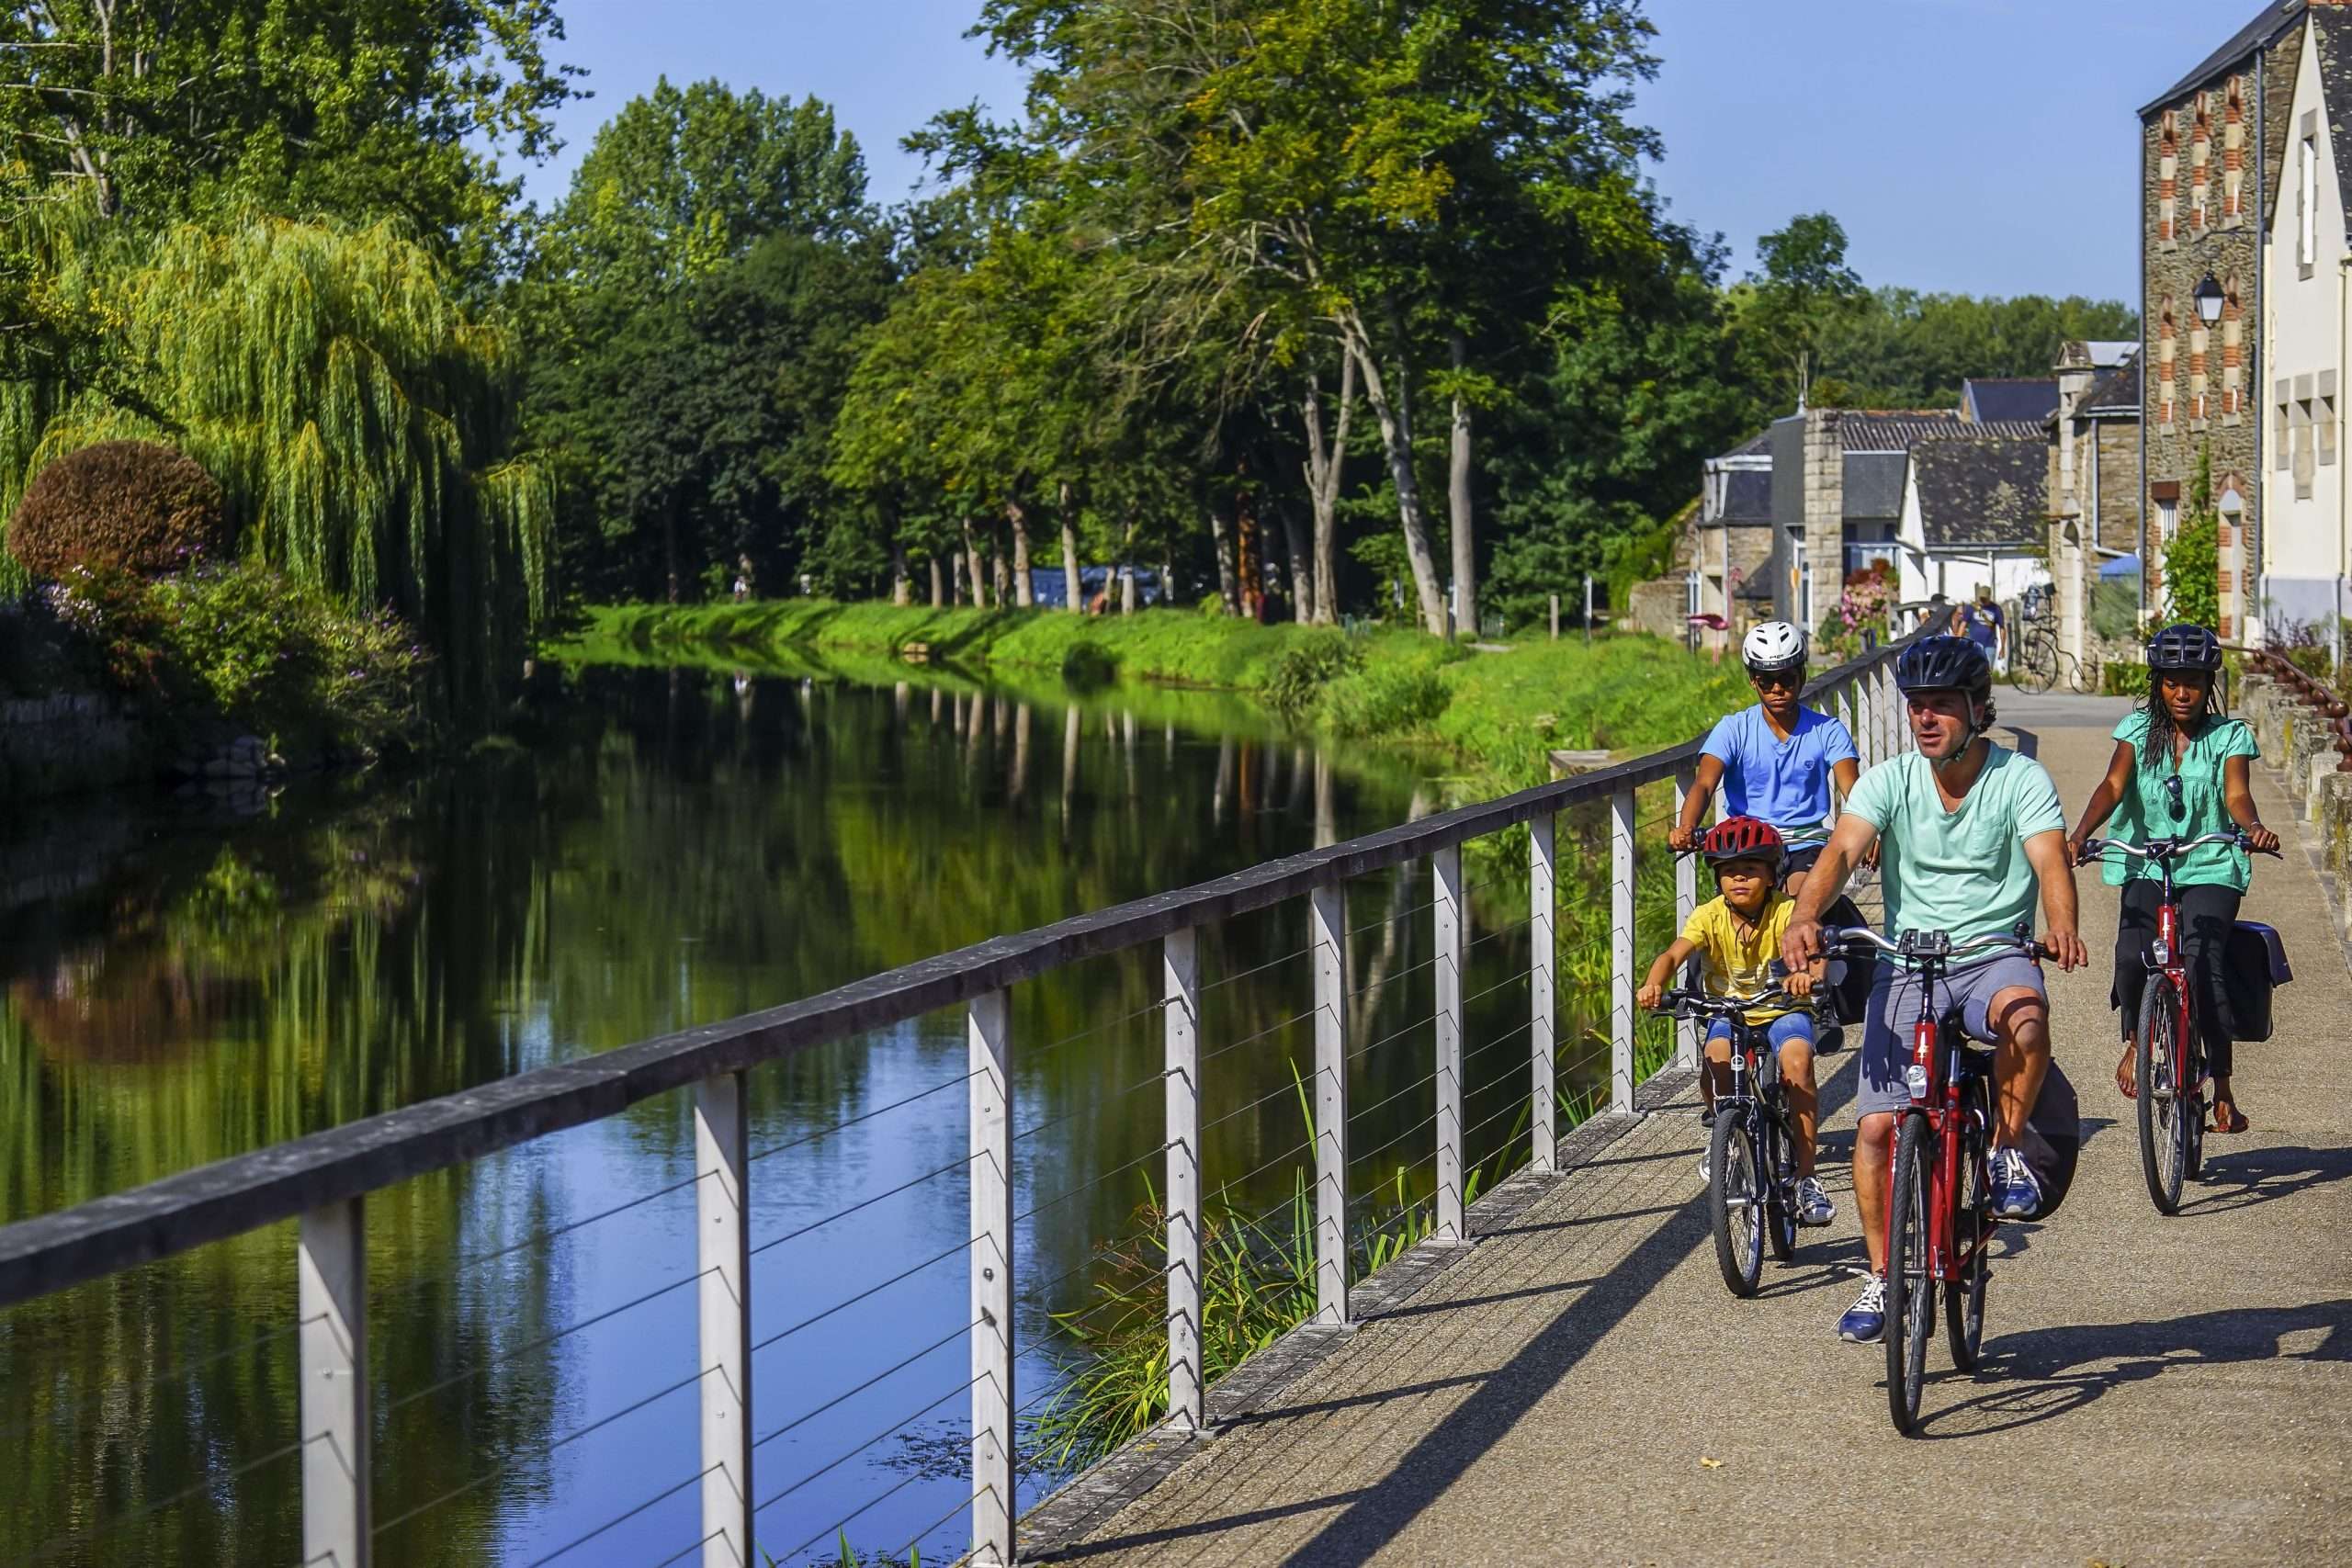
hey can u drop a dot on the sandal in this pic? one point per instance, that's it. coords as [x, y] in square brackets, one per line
[2227, 1118]
[2127, 1072]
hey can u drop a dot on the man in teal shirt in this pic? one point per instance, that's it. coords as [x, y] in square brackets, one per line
[1970, 836]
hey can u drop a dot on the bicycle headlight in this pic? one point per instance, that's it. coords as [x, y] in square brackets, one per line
[2160, 951]
[1915, 1078]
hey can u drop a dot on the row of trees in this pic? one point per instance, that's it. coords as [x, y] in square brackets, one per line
[1371, 291]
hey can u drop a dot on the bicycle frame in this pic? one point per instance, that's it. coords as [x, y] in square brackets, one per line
[2164, 957]
[1937, 1075]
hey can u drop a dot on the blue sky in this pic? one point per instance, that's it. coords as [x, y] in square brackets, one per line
[1984, 146]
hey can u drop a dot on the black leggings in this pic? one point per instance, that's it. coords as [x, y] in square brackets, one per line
[2207, 912]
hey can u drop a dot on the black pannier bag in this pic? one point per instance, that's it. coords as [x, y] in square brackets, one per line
[1850, 976]
[2054, 1138]
[2253, 967]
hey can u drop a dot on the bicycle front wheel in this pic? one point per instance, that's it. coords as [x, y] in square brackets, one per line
[1910, 1282]
[2165, 1107]
[1736, 1190]
[1780, 1209]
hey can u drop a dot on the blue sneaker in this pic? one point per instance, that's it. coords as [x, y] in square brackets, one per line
[2016, 1194]
[1865, 1321]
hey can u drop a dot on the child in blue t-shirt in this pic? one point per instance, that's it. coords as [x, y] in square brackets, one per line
[1777, 760]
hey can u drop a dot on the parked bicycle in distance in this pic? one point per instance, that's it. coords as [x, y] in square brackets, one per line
[2038, 663]
[1939, 1218]
[1751, 1163]
[2171, 1061]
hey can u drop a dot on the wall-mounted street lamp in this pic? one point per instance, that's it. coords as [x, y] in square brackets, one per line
[2209, 301]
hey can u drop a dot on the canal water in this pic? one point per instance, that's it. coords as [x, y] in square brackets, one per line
[665, 847]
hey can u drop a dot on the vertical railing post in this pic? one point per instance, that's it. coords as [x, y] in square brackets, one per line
[1328, 909]
[1445, 866]
[1181, 986]
[1893, 715]
[723, 1249]
[1866, 711]
[1621, 951]
[990, 1040]
[1686, 899]
[331, 1296]
[1543, 956]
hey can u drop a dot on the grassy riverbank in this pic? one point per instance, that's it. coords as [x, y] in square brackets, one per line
[1500, 713]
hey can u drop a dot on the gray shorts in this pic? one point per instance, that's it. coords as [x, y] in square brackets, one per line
[1895, 1007]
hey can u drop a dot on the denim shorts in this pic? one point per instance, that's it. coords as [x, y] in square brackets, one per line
[1895, 1007]
[1779, 1032]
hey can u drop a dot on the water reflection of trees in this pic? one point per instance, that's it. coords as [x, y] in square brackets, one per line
[673, 848]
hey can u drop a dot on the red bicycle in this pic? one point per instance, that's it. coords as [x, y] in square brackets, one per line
[1939, 1219]
[2170, 1064]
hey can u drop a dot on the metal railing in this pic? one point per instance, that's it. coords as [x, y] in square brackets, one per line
[324, 1180]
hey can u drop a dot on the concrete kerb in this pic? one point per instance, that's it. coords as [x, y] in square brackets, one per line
[1087, 1499]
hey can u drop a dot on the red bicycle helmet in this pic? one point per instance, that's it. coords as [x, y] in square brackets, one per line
[1744, 838]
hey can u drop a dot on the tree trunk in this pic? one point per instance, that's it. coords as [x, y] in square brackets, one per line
[670, 549]
[902, 587]
[1073, 583]
[1395, 417]
[1248, 554]
[938, 587]
[1167, 581]
[1301, 565]
[1127, 570]
[978, 570]
[1000, 568]
[1457, 500]
[1221, 535]
[1323, 468]
[1024, 587]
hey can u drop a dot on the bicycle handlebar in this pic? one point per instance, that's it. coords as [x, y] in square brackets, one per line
[1699, 1004]
[1956, 955]
[2166, 849]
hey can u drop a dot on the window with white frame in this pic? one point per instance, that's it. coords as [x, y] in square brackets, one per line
[2307, 202]
[2167, 520]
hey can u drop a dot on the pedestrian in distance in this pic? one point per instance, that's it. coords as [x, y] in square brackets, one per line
[2181, 769]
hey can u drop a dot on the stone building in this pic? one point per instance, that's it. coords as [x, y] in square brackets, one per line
[1731, 539]
[2302, 494]
[2211, 149]
[1975, 513]
[1988, 400]
[2094, 483]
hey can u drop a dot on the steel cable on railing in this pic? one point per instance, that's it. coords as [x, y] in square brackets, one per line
[1294, 1019]
[1290, 1089]
[865, 1116]
[1303, 1146]
[478, 1259]
[690, 1549]
[1220, 984]
[1387, 980]
[1426, 1021]
[210, 1481]
[1420, 1125]
[837, 1526]
[1091, 1182]
[932, 1262]
[1094, 1105]
[867, 1202]
[571, 1437]
[624, 1519]
[830, 1465]
[1358, 1113]
[915, 1540]
[512, 1351]
[1518, 925]
[1036, 1052]
[1423, 908]
[82, 1406]
[889, 1371]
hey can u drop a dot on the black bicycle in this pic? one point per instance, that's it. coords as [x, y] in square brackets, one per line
[1751, 1164]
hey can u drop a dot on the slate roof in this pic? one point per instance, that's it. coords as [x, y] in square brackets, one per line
[2331, 40]
[2118, 388]
[1874, 485]
[2274, 19]
[1985, 491]
[1748, 497]
[2107, 352]
[1757, 446]
[1860, 430]
[1996, 398]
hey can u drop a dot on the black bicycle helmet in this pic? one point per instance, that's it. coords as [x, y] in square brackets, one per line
[1744, 838]
[1944, 664]
[2185, 645]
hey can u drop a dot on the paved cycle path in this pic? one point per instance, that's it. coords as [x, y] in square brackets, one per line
[1579, 1387]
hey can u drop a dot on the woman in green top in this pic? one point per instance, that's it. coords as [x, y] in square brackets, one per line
[2179, 772]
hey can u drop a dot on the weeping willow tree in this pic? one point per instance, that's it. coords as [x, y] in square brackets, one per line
[361, 425]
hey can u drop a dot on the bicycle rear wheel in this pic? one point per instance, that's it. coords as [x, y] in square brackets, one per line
[1735, 1188]
[2165, 1107]
[1972, 1225]
[1910, 1289]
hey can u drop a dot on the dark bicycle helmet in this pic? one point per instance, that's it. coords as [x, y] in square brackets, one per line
[1944, 664]
[2185, 645]
[1744, 838]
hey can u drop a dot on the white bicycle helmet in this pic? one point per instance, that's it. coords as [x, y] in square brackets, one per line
[1775, 645]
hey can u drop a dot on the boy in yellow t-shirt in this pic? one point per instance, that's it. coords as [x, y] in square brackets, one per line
[1737, 935]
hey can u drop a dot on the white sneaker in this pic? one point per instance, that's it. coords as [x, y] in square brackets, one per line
[1865, 1321]
[1813, 1207]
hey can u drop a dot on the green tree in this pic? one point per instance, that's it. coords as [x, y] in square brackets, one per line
[1803, 289]
[2193, 559]
[1905, 349]
[169, 110]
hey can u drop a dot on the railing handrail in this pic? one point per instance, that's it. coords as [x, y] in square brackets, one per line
[243, 1193]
